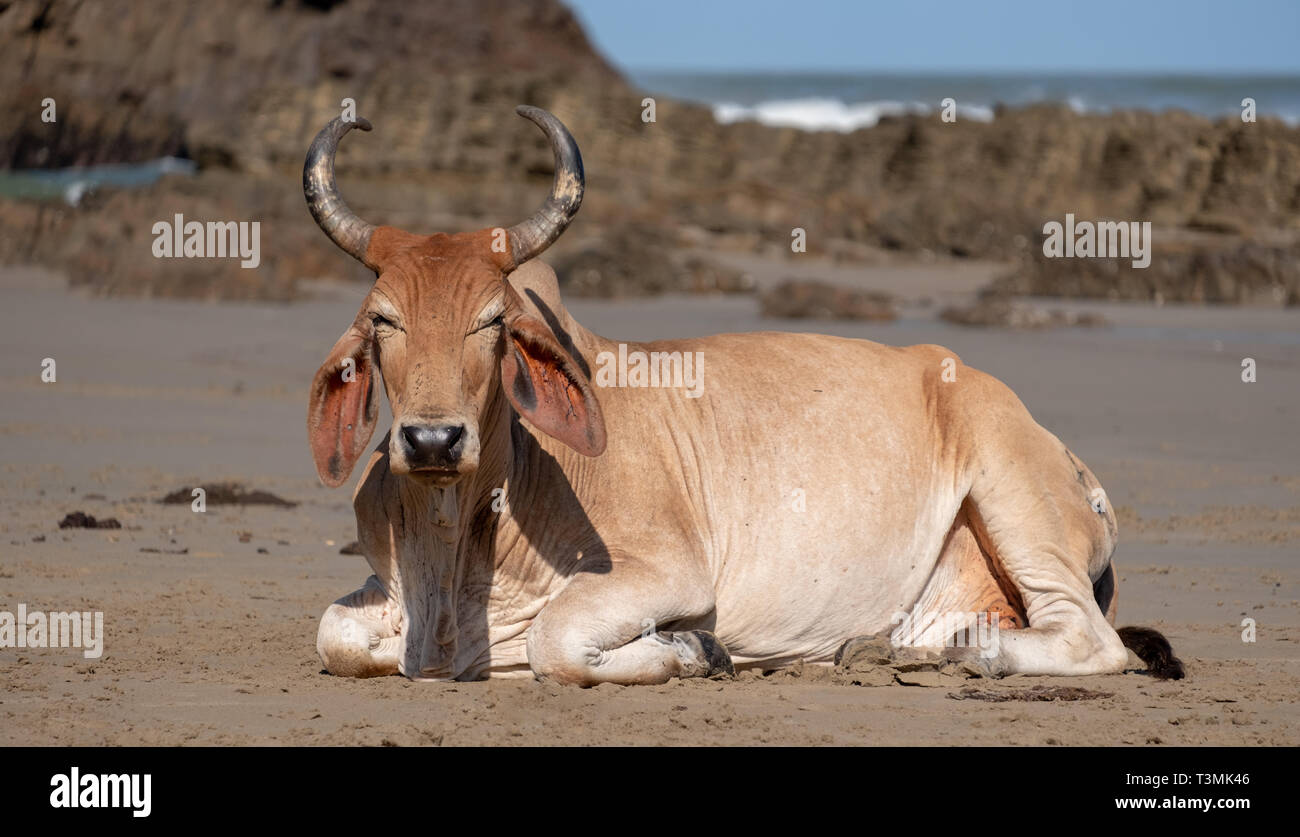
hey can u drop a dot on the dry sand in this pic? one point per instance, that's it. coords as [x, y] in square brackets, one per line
[215, 645]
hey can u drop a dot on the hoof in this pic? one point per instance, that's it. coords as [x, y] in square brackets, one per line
[867, 650]
[973, 662]
[712, 659]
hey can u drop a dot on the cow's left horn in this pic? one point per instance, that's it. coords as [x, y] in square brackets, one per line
[344, 228]
[530, 237]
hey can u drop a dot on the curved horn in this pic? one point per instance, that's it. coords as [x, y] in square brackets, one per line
[344, 228]
[530, 237]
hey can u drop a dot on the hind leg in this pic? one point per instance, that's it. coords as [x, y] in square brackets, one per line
[967, 602]
[1042, 517]
[1045, 547]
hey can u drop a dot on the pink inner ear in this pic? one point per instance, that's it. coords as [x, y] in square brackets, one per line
[342, 418]
[543, 386]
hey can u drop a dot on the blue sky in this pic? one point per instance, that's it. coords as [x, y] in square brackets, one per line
[1194, 36]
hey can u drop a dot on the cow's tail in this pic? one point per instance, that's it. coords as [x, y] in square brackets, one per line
[1153, 649]
[1149, 644]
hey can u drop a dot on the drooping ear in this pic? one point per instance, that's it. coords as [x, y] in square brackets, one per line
[547, 388]
[342, 414]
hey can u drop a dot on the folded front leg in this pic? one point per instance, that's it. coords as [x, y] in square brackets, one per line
[605, 628]
[360, 634]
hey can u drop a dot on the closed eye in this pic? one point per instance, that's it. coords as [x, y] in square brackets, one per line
[380, 322]
[495, 322]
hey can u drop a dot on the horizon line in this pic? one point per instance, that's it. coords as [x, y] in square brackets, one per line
[948, 72]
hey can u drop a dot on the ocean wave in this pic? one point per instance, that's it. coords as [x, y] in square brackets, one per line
[74, 183]
[816, 114]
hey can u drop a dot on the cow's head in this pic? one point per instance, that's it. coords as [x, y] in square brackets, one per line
[447, 331]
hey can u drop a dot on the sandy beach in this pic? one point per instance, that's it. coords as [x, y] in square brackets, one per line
[210, 619]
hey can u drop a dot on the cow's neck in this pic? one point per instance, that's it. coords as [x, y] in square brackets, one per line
[443, 545]
[491, 550]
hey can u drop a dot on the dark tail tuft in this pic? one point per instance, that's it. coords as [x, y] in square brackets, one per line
[1154, 650]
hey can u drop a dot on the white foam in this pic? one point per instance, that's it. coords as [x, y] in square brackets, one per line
[832, 114]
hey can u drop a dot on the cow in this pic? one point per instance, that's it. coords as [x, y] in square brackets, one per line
[522, 519]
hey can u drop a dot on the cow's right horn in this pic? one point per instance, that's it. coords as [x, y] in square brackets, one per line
[344, 228]
[532, 236]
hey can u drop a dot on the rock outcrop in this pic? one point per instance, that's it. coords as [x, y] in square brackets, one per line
[242, 87]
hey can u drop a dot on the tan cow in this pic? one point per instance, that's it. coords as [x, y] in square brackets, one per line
[521, 520]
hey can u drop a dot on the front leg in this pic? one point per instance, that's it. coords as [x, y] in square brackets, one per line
[360, 634]
[604, 628]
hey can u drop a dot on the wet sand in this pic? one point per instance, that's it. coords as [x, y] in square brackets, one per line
[216, 644]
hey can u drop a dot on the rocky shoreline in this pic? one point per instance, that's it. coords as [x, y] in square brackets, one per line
[241, 89]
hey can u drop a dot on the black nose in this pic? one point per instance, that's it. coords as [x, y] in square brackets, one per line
[432, 445]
